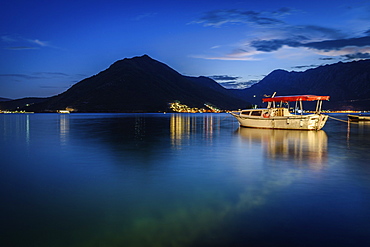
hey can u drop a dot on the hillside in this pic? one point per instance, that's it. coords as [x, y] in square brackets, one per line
[4, 99]
[348, 85]
[140, 84]
[19, 104]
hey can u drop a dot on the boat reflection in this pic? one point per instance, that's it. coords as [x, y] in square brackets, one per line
[362, 124]
[302, 147]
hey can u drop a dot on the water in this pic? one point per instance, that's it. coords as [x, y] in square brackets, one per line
[180, 180]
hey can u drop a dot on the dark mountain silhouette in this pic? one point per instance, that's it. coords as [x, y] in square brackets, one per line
[140, 84]
[20, 104]
[4, 99]
[347, 84]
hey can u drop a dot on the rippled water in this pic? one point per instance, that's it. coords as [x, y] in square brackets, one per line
[180, 180]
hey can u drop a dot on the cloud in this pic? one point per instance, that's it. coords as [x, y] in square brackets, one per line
[348, 48]
[37, 76]
[39, 42]
[303, 41]
[271, 33]
[52, 74]
[227, 57]
[356, 56]
[238, 85]
[238, 54]
[313, 32]
[22, 76]
[234, 16]
[16, 42]
[20, 48]
[7, 39]
[273, 45]
[223, 77]
[232, 82]
[338, 44]
[305, 66]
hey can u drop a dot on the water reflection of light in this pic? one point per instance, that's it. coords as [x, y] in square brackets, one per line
[15, 125]
[363, 125]
[295, 145]
[63, 128]
[208, 126]
[28, 129]
[182, 126]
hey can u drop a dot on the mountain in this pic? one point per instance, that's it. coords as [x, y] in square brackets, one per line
[140, 84]
[347, 84]
[20, 104]
[4, 99]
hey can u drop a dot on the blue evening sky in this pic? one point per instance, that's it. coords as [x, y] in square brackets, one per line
[47, 46]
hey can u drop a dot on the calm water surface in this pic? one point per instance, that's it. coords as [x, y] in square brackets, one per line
[180, 180]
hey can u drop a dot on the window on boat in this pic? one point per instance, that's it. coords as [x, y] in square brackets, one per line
[256, 113]
[245, 112]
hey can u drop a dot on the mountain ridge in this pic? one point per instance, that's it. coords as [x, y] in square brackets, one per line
[347, 84]
[139, 84]
[142, 84]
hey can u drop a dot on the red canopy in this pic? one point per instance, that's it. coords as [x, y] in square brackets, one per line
[295, 98]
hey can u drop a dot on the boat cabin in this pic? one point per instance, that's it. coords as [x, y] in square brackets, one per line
[266, 113]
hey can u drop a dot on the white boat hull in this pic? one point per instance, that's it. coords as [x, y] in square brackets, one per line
[297, 122]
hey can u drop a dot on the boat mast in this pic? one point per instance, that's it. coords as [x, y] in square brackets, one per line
[318, 106]
[273, 103]
[295, 107]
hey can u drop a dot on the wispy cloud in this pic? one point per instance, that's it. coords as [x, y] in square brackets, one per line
[52, 74]
[271, 32]
[325, 45]
[233, 16]
[20, 48]
[226, 57]
[358, 55]
[238, 84]
[232, 82]
[238, 54]
[40, 76]
[326, 58]
[15, 42]
[39, 42]
[45, 80]
[21, 76]
[305, 66]
[224, 77]
[7, 38]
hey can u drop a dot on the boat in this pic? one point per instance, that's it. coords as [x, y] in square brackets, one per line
[357, 118]
[277, 115]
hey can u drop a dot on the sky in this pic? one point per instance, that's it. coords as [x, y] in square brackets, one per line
[48, 46]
